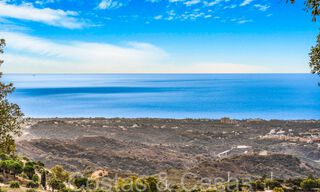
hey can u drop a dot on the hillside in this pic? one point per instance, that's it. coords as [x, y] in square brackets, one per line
[150, 146]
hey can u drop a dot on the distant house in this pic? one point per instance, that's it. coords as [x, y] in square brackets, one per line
[227, 120]
[255, 120]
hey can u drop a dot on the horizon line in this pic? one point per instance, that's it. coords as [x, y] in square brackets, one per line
[152, 73]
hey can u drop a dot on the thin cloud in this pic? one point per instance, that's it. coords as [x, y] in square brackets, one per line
[109, 4]
[244, 21]
[245, 2]
[262, 7]
[27, 53]
[158, 17]
[192, 2]
[215, 2]
[53, 17]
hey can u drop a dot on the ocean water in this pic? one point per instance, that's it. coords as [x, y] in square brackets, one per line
[242, 96]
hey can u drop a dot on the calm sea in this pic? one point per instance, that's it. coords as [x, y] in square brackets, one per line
[269, 96]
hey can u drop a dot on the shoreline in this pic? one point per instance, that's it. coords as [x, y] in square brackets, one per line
[158, 118]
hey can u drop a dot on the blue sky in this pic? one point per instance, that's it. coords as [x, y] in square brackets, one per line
[156, 36]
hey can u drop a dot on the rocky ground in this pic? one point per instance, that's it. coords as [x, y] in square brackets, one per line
[209, 148]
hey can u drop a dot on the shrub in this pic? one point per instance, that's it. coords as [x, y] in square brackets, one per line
[278, 189]
[295, 181]
[32, 184]
[272, 183]
[31, 190]
[39, 164]
[257, 185]
[55, 183]
[92, 184]
[25, 158]
[81, 182]
[4, 156]
[152, 183]
[309, 184]
[29, 169]
[1, 179]
[2, 190]
[60, 173]
[65, 189]
[35, 178]
[14, 185]
[99, 190]
[23, 175]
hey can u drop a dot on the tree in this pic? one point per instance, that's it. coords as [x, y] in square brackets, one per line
[15, 167]
[309, 184]
[44, 179]
[11, 117]
[29, 169]
[4, 165]
[314, 7]
[311, 5]
[315, 57]
[59, 173]
[55, 183]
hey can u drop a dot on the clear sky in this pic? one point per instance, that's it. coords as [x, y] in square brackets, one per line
[156, 36]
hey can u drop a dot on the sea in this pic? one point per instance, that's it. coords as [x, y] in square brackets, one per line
[210, 96]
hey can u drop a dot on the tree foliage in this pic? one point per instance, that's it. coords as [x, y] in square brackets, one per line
[81, 182]
[11, 117]
[315, 57]
[313, 6]
[44, 179]
[309, 184]
[15, 167]
[55, 183]
[29, 169]
[59, 173]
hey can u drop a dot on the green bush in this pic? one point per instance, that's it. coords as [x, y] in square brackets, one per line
[35, 178]
[14, 184]
[272, 183]
[32, 184]
[2, 190]
[25, 158]
[55, 183]
[278, 189]
[4, 156]
[81, 182]
[309, 184]
[65, 189]
[91, 184]
[99, 190]
[23, 175]
[294, 181]
[29, 169]
[31, 190]
[1, 179]
[257, 185]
